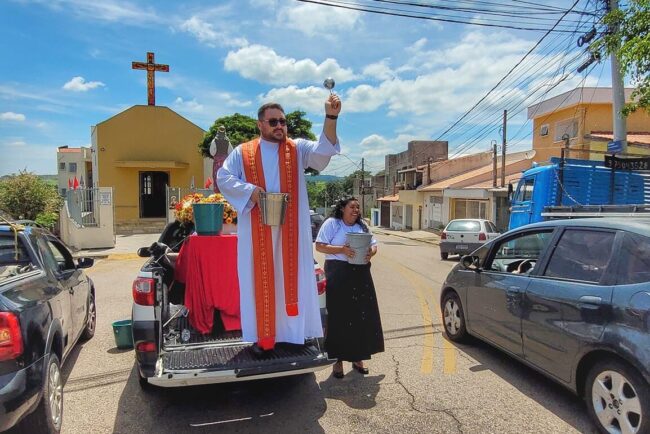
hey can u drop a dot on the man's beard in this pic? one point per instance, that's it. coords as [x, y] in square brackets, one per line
[271, 138]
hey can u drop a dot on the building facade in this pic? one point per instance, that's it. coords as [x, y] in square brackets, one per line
[73, 163]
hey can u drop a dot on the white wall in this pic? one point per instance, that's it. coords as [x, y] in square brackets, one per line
[78, 238]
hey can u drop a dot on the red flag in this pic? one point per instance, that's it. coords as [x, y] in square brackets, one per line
[75, 184]
[208, 182]
[69, 184]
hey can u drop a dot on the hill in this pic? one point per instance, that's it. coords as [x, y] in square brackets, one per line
[322, 178]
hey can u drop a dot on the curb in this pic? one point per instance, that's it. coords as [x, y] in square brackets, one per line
[397, 234]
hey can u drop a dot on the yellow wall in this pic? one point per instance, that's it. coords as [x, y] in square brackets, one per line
[591, 118]
[145, 133]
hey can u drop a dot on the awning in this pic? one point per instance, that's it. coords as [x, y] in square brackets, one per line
[152, 164]
[393, 198]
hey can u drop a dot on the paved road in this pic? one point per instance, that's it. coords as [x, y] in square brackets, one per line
[422, 383]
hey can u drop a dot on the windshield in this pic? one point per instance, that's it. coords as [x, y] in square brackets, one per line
[464, 226]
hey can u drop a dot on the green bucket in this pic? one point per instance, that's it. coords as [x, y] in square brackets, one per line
[123, 332]
[208, 218]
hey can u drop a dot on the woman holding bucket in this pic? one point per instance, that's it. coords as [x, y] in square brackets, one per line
[354, 330]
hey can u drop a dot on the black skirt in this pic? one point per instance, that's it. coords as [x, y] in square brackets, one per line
[353, 324]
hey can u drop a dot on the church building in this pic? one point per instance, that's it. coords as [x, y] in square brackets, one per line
[139, 152]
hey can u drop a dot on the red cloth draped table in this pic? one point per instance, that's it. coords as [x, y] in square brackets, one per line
[208, 267]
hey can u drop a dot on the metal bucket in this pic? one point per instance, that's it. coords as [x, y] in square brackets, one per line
[360, 243]
[273, 207]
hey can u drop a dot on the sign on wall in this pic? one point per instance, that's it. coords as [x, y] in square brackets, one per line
[105, 198]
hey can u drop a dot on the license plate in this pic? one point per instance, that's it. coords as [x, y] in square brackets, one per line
[461, 246]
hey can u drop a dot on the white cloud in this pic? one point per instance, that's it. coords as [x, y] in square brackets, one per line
[188, 106]
[205, 33]
[11, 116]
[310, 99]
[379, 70]
[17, 144]
[105, 10]
[263, 64]
[79, 84]
[318, 21]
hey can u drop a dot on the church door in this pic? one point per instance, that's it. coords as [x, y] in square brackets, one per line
[152, 194]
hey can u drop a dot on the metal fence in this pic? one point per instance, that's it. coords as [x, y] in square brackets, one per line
[83, 205]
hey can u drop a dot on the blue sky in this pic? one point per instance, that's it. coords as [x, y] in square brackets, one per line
[67, 66]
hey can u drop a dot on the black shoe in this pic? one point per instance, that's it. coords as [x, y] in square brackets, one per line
[257, 351]
[360, 369]
[338, 373]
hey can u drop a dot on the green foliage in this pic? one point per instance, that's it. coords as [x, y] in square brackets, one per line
[348, 182]
[48, 219]
[324, 194]
[241, 128]
[631, 43]
[27, 196]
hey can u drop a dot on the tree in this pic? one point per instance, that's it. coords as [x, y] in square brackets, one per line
[26, 196]
[348, 181]
[241, 128]
[630, 41]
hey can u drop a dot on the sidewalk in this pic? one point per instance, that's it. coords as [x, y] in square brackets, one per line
[420, 235]
[126, 247]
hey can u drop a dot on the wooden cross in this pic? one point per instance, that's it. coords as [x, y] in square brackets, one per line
[151, 67]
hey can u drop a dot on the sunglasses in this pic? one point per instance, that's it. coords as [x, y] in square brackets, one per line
[273, 122]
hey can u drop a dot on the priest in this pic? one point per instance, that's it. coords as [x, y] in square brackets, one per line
[278, 295]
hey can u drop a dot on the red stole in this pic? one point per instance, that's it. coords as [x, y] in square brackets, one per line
[263, 264]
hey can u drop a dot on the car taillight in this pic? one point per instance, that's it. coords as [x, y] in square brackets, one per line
[144, 291]
[482, 236]
[443, 235]
[320, 281]
[11, 340]
[146, 347]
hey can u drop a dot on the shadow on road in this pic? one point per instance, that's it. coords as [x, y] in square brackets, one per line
[550, 395]
[283, 405]
[355, 390]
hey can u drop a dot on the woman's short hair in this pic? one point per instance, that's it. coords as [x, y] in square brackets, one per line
[337, 212]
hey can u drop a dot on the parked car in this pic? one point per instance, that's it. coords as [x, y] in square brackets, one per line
[47, 303]
[570, 298]
[316, 222]
[462, 236]
[171, 353]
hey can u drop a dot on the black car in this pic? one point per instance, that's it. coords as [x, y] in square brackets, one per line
[47, 304]
[571, 298]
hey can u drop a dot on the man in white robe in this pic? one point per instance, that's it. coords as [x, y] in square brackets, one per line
[243, 195]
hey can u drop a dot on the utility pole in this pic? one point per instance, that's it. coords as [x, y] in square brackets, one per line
[618, 94]
[503, 150]
[494, 163]
[363, 189]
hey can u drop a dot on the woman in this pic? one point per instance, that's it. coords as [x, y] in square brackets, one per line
[353, 325]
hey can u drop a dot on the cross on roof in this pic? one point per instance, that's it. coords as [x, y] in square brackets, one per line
[151, 67]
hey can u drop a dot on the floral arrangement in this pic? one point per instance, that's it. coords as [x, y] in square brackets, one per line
[183, 208]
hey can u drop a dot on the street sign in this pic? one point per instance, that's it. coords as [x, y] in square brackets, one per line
[615, 146]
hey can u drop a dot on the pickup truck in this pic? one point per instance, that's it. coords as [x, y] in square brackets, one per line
[572, 188]
[47, 304]
[170, 353]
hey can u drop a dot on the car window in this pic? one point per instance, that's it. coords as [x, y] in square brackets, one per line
[61, 256]
[634, 260]
[464, 226]
[491, 227]
[12, 253]
[581, 255]
[48, 257]
[521, 253]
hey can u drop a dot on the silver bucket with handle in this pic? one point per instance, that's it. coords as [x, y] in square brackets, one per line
[360, 243]
[273, 207]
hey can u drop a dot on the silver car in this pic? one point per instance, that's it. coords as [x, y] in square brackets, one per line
[462, 236]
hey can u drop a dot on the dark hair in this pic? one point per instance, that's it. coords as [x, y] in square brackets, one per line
[337, 212]
[267, 106]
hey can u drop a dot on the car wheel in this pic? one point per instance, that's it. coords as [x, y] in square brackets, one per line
[453, 317]
[618, 398]
[48, 415]
[91, 321]
[444, 255]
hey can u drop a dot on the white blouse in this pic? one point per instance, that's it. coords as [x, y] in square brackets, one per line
[334, 231]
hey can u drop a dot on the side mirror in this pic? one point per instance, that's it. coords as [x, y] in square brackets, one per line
[510, 191]
[144, 252]
[85, 262]
[469, 262]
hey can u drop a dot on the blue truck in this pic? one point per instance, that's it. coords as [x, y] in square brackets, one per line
[571, 188]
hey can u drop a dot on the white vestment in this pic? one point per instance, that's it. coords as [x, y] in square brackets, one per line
[232, 183]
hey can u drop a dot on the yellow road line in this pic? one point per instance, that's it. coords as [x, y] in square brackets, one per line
[449, 352]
